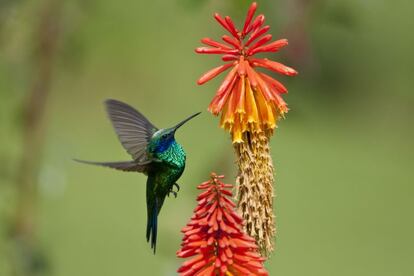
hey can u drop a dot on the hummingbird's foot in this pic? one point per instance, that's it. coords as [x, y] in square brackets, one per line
[178, 186]
[172, 192]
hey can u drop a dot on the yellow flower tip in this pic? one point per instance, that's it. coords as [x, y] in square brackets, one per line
[236, 134]
[283, 109]
[251, 120]
[229, 121]
[282, 113]
[270, 125]
[237, 140]
[227, 126]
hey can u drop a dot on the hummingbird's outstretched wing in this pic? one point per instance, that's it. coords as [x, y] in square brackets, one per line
[126, 166]
[133, 129]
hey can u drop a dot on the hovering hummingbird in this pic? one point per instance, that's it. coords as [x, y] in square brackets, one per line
[155, 153]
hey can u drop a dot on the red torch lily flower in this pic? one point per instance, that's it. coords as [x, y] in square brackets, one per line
[248, 100]
[214, 238]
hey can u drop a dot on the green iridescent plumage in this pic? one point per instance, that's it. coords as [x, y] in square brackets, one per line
[155, 153]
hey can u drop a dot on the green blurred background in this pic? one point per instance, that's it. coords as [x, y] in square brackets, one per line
[344, 156]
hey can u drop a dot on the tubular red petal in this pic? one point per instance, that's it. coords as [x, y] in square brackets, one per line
[229, 57]
[254, 265]
[211, 42]
[227, 192]
[213, 73]
[251, 75]
[232, 41]
[228, 252]
[229, 115]
[229, 217]
[260, 42]
[203, 194]
[267, 93]
[193, 261]
[223, 269]
[231, 203]
[271, 47]
[243, 244]
[241, 258]
[213, 207]
[241, 270]
[257, 34]
[276, 84]
[207, 50]
[249, 17]
[222, 22]
[257, 23]
[274, 66]
[219, 100]
[219, 215]
[281, 104]
[227, 81]
[233, 105]
[192, 231]
[242, 67]
[197, 266]
[207, 271]
[231, 26]
[186, 253]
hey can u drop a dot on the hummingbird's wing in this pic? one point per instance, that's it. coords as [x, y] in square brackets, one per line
[133, 129]
[126, 166]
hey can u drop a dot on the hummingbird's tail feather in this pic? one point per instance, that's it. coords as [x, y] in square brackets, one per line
[154, 205]
[152, 224]
[126, 166]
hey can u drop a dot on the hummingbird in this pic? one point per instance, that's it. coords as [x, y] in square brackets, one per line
[155, 153]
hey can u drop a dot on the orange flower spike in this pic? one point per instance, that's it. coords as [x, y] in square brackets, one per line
[250, 104]
[240, 48]
[227, 250]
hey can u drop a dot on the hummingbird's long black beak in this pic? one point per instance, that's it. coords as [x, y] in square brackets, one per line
[185, 121]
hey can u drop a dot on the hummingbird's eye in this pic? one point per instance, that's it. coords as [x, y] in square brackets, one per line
[164, 136]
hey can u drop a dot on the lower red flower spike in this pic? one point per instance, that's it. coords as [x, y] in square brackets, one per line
[214, 238]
